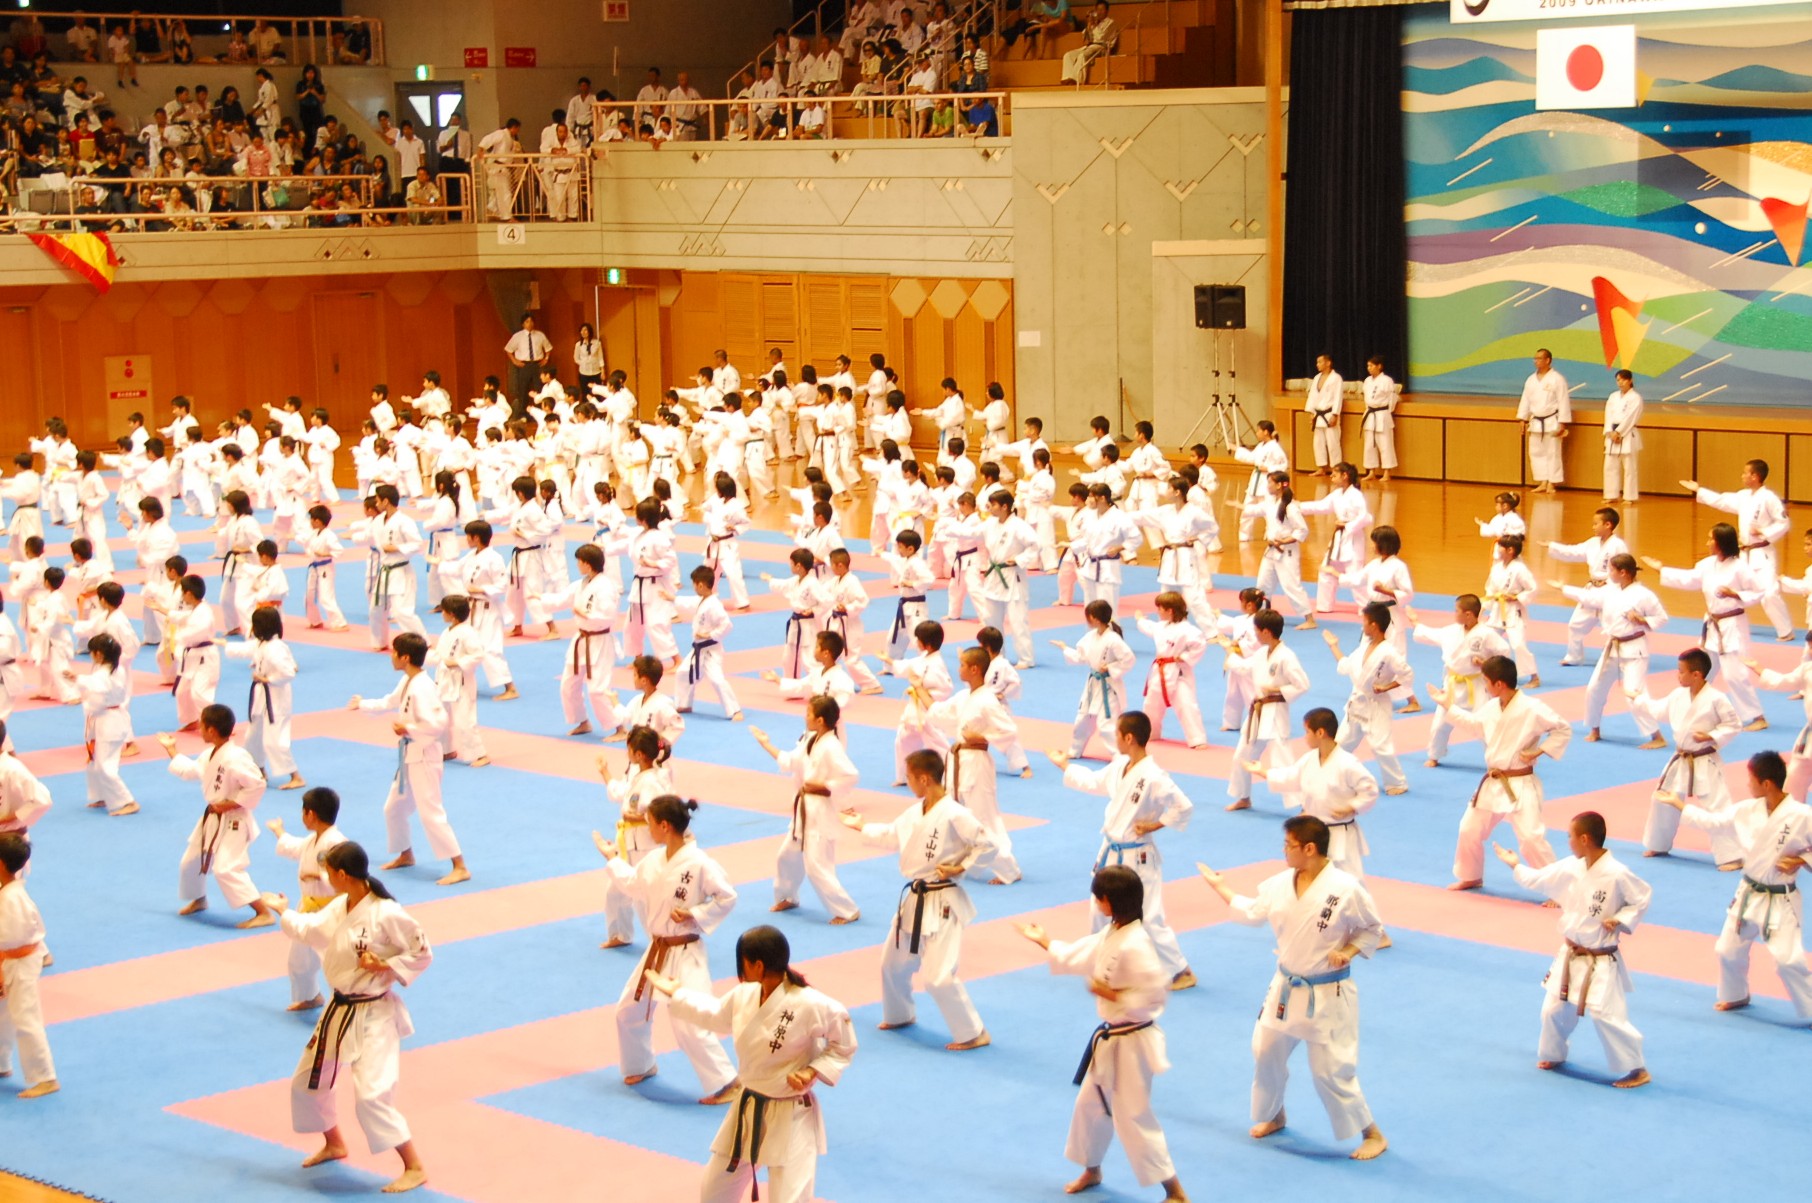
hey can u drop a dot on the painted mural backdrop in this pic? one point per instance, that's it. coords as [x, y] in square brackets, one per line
[1669, 238]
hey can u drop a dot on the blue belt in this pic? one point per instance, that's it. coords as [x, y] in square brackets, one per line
[1102, 679]
[1291, 981]
[1118, 851]
[1104, 1032]
[314, 564]
[402, 759]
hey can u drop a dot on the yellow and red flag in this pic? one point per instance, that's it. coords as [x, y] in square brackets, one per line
[89, 255]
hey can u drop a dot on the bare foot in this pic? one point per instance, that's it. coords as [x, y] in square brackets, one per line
[406, 1181]
[327, 1152]
[97, 805]
[1465, 885]
[1268, 1128]
[509, 694]
[1431, 764]
[1414, 707]
[1000, 881]
[1396, 791]
[309, 1005]
[1730, 866]
[1026, 773]
[1090, 1179]
[1371, 1147]
[1535, 681]
[1758, 724]
[261, 919]
[615, 942]
[723, 1096]
[405, 861]
[295, 782]
[1652, 852]
[515, 632]
[1184, 980]
[130, 808]
[1307, 624]
[1386, 941]
[481, 762]
[1549, 902]
[194, 908]
[841, 920]
[454, 877]
[784, 906]
[1738, 1005]
[963, 1046]
[47, 1086]
[581, 729]
[638, 1079]
[1549, 1064]
[1592, 736]
[1654, 741]
[1637, 1078]
[549, 635]
[1242, 804]
[894, 1027]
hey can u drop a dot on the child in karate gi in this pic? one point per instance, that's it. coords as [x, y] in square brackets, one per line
[1595, 553]
[644, 778]
[847, 599]
[827, 678]
[1506, 521]
[25, 490]
[911, 579]
[1110, 537]
[52, 647]
[221, 843]
[1329, 783]
[726, 518]
[592, 656]
[197, 659]
[320, 810]
[1729, 586]
[822, 776]
[1277, 680]
[1703, 722]
[939, 842]
[106, 721]
[421, 730]
[655, 563]
[1104, 653]
[1178, 529]
[1629, 611]
[91, 509]
[1285, 533]
[710, 628]
[1267, 457]
[650, 707]
[928, 678]
[394, 539]
[1384, 580]
[957, 544]
[1003, 679]
[1074, 553]
[1508, 591]
[1378, 672]
[1600, 902]
[1009, 549]
[323, 606]
[481, 577]
[682, 896]
[456, 656]
[271, 701]
[1126, 975]
[1177, 648]
[971, 722]
[1465, 645]
[806, 600]
[22, 955]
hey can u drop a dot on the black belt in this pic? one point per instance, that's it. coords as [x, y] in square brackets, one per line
[919, 888]
[1104, 1032]
[230, 564]
[251, 701]
[515, 555]
[182, 662]
[753, 1119]
[696, 668]
[344, 1007]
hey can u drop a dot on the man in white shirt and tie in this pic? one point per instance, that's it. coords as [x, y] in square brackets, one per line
[528, 349]
[1622, 440]
[1545, 411]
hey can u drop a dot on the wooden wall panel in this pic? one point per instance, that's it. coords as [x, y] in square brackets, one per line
[1486, 452]
[1720, 455]
[1419, 447]
[1666, 460]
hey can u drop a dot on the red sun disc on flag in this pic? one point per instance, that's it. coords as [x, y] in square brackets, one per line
[1585, 68]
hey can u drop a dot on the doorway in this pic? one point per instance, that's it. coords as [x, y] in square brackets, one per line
[429, 105]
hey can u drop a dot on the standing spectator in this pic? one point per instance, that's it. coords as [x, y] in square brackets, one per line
[311, 103]
[148, 41]
[684, 107]
[649, 100]
[411, 152]
[579, 112]
[528, 349]
[497, 149]
[561, 169]
[455, 149]
[122, 56]
[588, 358]
[266, 111]
[267, 43]
[84, 41]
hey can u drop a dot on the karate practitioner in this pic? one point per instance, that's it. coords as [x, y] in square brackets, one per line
[421, 731]
[1104, 653]
[106, 724]
[1509, 588]
[939, 841]
[1009, 548]
[592, 656]
[368, 944]
[710, 630]
[456, 656]
[1347, 541]
[1277, 680]
[644, 778]
[1595, 553]
[1519, 730]
[682, 896]
[1377, 670]
[1266, 456]
[320, 599]
[847, 599]
[1545, 410]
[394, 539]
[1177, 647]
[1322, 918]
[1179, 528]
[1326, 396]
[221, 842]
[972, 722]
[1629, 611]
[22, 955]
[1141, 801]
[320, 810]
[1465, 645]
[823, 775]
[482, 578]
[1109, 537]
[1330, 784]
[1285, 533]
[655, 563]
[1761, 523]
[1729, 588]
[190, 636]
[1775, 832]
[1703, 722]
[1600, 901]
[269, 704]
[1125, 973]
[23, 798]
[1622, 440]
[788, 1037]
[1378, 428]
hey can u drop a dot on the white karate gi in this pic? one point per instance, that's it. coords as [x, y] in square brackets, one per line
[416, 787]
[724, 523]
[23, 798]
[370, 1044]
[1695, 772]
[1346, 542]
[710, 629]
[1372, 667]
[319, 599]
[1595, 553]
[822, 776]
[269, 704]
[1622, 413]
[313, 894]
[1179, 532]
[1309, 1000]
[1280, 572]
[1385, 581]
[911, 581]
[1108, 659]
[794, 1028]
[1177, 649]
[91, 520]
[222, 840]
[847, 599]
[197, 661]
[1378, 428]
[1464, 651]
[1150, 472]
[1266, 457]
[394, 539]
[1509, 588]
[1138, 793]
[656, 566]
[1326, 396]
[1336, 789]
[1588, 975]
[973, 721]
[806, 601]
[1125, 1052]
[1277, 680]
[927, 930]
[1725, 632]
[1109, 536]
[21, 961]
[1767, 905]
[662, 884]
[482, 577]
[1509, 789]
[592, 655]
[1008, 549]
[1761, 523]
[632, 793]
[1624, 661]
[1546, 408]
[455, 657]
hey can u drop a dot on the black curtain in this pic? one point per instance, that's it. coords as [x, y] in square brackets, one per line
[1344, 245]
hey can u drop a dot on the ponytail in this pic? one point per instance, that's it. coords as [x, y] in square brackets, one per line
[350, 859]
[768, 945]
[1286, 497]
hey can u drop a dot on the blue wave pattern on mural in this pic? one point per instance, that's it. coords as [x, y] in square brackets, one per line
[1669, 238]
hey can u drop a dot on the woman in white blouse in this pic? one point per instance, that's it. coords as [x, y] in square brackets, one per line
[588, 355]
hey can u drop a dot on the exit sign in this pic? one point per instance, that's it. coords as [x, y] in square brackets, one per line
[519, 56]
[616, 10]
[478, 56]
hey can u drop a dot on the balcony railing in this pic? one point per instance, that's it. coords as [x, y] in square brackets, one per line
[286, 202]
[878, 114]
[535, 187]
[304, 39]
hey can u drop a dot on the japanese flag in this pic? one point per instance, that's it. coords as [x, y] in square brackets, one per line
[1586, 68]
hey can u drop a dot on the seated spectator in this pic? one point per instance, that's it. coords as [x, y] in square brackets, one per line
[1050, 20]
[148, 41]
[684, 107]
[182, 49]
[230, 109]
[622, 131]
[766, 119]
[357, 47]
[17, 104]
[1097, 40]
[824, 76]
[178, 210]
[663, 129]
[868, 71]
[940, 38]
[866, 21]
[975, 56]
[423, 193]
[82, 143]
[267, 43]
[980, 118]
[47, 87]
[943, 119]
[84, 42]
[811, 121]
[256, 160]
[919, 85]
[909, 33]
[238, 51]
[78, 99]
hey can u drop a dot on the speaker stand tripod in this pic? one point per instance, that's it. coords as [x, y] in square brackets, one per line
[1231, 423]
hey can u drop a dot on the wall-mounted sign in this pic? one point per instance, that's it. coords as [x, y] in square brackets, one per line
[478, 56]
[519, 56]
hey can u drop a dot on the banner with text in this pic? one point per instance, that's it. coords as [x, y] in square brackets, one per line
[1467, 12]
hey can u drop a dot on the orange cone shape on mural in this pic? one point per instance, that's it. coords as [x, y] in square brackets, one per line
[1789, 222]
[1619, 324]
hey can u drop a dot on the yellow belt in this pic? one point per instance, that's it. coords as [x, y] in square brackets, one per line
[312, 903]
[1456, 681]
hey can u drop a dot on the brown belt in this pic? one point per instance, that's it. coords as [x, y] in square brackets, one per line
[1593, 956]
[1258, 703]
[1500, 775]
[1692, 768]
[817, 791]
[1757, 546]
[656, 960]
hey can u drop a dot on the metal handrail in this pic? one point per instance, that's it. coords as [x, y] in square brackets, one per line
[530, 181]
[717, 120]
[313, 34]
[992, 9]
[251, 198]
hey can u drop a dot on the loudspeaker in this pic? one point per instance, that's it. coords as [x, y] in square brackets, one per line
[1220, 306]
